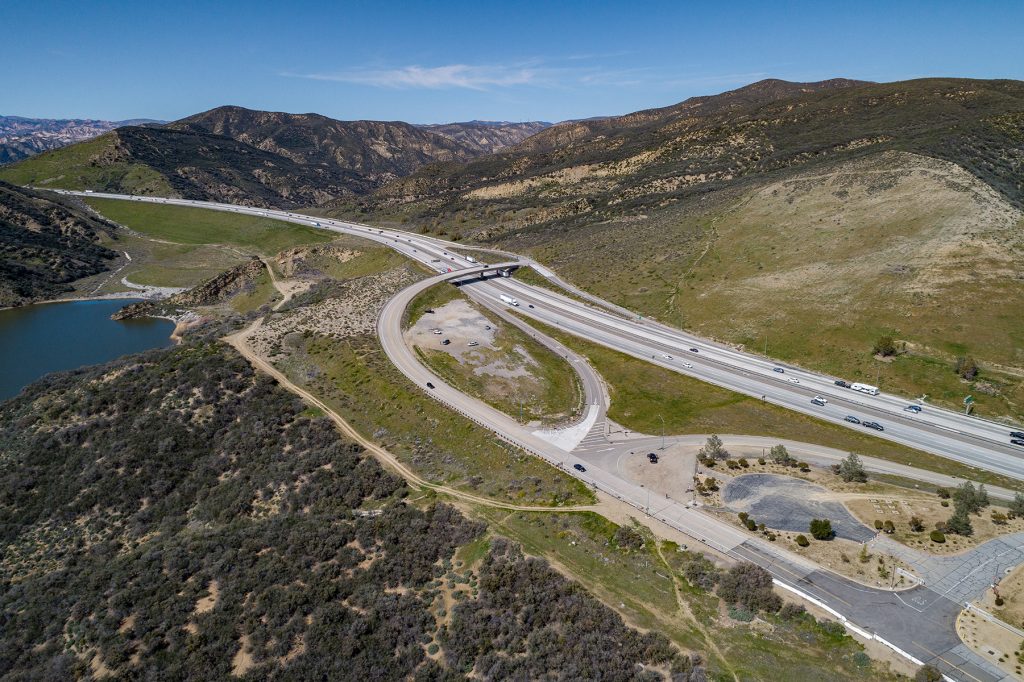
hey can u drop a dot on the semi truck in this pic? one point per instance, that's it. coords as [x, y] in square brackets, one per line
[509, 299]
[865, 388]
[471, 259]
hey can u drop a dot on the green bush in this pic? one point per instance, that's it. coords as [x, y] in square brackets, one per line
[802, 540]
[937, 536]
[878, 524]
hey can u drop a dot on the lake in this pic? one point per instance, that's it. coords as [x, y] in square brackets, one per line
[50, 337]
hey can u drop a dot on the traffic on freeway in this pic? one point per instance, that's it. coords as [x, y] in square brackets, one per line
[963, 438]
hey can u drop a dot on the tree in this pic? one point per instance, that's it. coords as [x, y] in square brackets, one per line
[928, 673]
[885, 346]
[780, 455]
[1017, 506]
[970, 499]
[713, 449]
[916, 524]
[851, 469]
[821, 529]
[966, 367]
[960, 523]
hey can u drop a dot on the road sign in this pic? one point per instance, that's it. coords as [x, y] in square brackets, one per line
[968, 400]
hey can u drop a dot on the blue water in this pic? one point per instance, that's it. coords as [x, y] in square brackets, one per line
[39, 339]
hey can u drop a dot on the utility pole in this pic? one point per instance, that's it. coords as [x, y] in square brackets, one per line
[766, 344]
[662, 431]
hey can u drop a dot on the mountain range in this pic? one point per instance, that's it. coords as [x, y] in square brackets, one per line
[22, 137]
[264, 158]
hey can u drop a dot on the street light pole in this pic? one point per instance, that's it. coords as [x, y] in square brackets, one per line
[662, 431]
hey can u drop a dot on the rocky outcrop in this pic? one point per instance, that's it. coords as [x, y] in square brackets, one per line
[219, 288]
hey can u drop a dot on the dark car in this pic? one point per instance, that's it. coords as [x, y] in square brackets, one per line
[1017, 441]
[1016, 434]
[841, 383]
[579, 467]
[873, 425]
[694, 350]
[531, 305]
[445, 342]
[916, 409]
[430, 385]
[853, 420]
[429, 311]
[779, 370]
[653, 457]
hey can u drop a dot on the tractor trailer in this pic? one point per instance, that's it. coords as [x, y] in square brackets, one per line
[509, 299]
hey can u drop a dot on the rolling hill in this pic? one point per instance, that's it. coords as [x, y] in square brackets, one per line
[255, 157]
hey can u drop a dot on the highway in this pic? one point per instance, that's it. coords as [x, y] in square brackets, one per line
[917, 623]
[969, 440]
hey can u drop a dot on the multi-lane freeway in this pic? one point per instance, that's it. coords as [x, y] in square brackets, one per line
[976, 442]
[918, 623]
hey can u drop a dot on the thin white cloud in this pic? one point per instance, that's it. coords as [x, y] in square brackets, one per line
[465, 76]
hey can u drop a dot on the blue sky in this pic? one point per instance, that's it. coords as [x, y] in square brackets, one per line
[452, 61]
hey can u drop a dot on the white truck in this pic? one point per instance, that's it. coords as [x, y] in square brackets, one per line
[509, 299]
[865, 388]
[471, 259]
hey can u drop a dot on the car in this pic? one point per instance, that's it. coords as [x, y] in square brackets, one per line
[842, 384]
[794, 380]
[653, 457]
[779, 370]
[530, 304]
[916, 409]
[445, 342]
[1017, 441]
[818, 400]
[850, 418]
[429, 311]
[666, 356]
[487, 327]
[436, 331]
[694, 350]
[688, 365]
[473, 343]
[1016, 434]
[873, 425]
[430, 385]
[579, 467]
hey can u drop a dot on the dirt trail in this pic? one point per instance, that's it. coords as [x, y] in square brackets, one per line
[239, 341]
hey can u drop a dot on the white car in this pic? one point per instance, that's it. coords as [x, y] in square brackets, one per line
[436, 331]
[473, 343]
[818, 400]
[794, 380]
[688, 365]
[666, 356]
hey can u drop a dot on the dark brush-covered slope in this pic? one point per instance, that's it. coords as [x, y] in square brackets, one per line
[379, 151]
[606, 166]
[45, 244]
[22, 137]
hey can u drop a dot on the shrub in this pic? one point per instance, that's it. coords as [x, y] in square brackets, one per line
[743, 517]
[802, 540]
[821, 529]
[792, 611]
[742, 461]
[889, 527]
[937, 536]
[1017, 506]
[999, 518]
[701, 573]
[731, 464]
[928, 673]
[943, 493]
[966, 367]
[628, 538]
[884, 346]
[878, 524]
[1000, 601]
[916, 524]
[960, 523]
[780, 455]
[760, 460]
[749, 586]
[750, 524]
[804, 466]
[944, 503]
